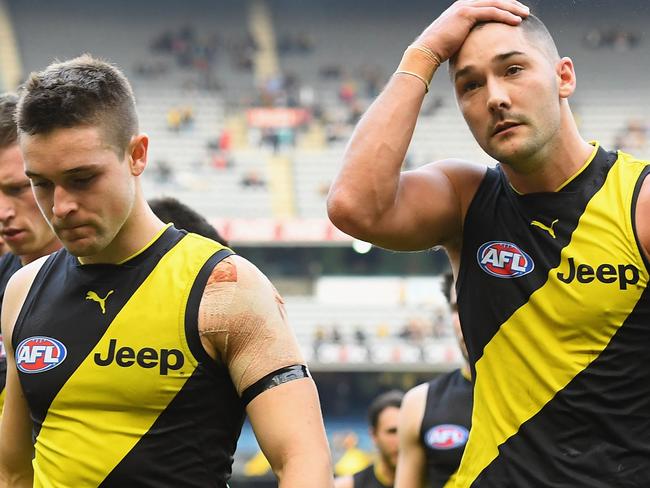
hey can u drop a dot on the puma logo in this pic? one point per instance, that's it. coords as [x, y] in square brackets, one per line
[91, 295]
[548, 229]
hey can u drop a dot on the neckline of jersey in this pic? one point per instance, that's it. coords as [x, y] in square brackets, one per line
[596, 145]
[135, 254]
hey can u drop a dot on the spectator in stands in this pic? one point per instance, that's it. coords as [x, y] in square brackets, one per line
[170, 210]
[252, 179]
[383, 415]
[633, 138]
[174, 119]
[163, 172]
[360, 336]
[335, 335]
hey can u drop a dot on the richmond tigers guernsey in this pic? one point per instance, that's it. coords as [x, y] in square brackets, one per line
[445, 425]
[120, 389]
[9, 264]
[555, 308]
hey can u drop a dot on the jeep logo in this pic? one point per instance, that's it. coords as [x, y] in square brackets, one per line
[625, 274]
[147, 357]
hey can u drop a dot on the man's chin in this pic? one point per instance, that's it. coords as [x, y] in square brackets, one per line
[81, 248]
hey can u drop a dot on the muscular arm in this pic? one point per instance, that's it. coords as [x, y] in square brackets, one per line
[16, 448]
[371, 198]
[411, 464]
[243, 324]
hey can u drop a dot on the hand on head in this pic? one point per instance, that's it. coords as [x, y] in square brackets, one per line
[448, 32]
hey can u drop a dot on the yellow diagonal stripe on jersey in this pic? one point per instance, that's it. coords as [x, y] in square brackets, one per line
[81, 422]
[533, 355]
[451, 482]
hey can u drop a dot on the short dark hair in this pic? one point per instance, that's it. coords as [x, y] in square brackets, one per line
[169, 209]
[534, 28]
[8, 131]
[392, 398]
[83, 91]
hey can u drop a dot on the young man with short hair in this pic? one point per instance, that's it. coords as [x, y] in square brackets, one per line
[25, 232]
[383, 415]
[135, 352]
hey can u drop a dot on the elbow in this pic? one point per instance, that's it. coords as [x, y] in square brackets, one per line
[347, 214]
[338, 207]
[317, 469]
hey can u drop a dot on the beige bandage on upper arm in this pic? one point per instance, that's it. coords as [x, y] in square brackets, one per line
[243, 323]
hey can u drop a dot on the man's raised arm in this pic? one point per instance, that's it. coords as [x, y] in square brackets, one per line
[371, 198]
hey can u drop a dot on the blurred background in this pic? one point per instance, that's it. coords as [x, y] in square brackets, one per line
[249, 105]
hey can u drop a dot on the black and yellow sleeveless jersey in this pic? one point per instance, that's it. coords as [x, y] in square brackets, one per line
[9, 264]
[554, 303]
[367, 478]
[120, 389]
[445, 426]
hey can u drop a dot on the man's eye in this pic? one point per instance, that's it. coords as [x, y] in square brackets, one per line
[513, 70]
[472, 85]
[83, 181]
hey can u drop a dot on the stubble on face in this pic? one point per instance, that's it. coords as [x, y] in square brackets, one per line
[529, 99]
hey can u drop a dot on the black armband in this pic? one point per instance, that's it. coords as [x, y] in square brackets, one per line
[271, 380]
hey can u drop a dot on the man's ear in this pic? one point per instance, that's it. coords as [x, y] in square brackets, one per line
[137, 153]
[566, 77]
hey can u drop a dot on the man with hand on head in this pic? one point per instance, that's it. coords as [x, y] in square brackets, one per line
[24, 230]
[134, 353]
[550, 250]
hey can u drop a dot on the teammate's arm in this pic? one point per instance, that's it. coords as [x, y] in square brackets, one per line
[411, 464]
[642, 213]
[243, 324]
[16, 448]
[370, 198]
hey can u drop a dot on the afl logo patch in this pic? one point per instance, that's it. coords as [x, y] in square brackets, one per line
[38, 354]
[504, 260]
[446, 436]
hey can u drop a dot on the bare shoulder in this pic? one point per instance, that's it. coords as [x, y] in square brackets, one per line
[237, 279]
[16, 292]
[412, 409]
[243, 323]
[416, 397]
[464, 176]
[642, 212]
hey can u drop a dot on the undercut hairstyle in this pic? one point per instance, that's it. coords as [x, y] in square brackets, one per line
[80, 92]
[392, 398]
[8, 131]
[169, 209]
[535, 31]
[539, 36]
